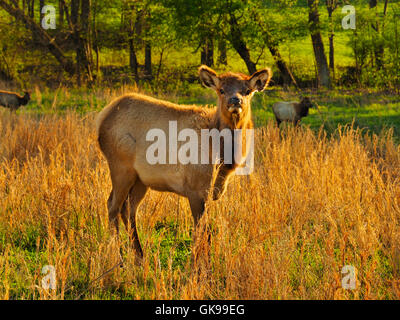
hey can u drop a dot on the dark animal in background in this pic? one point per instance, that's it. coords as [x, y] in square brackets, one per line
[13, 100]
[291, 111]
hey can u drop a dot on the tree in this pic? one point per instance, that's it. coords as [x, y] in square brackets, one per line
[207, 52]
[222, 52]
[131, 16]
[236, 38]
[331, 6]
[324, 78]
[379, 47]
[147, 61]
[197, 22]
[148, 27]
[273, 47]
[14, 10]
[79, 20]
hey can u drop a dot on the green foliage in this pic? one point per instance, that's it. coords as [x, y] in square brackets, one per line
[375, 45]
[176, 30]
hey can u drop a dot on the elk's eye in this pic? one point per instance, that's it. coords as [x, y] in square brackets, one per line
[221, 91]
[248, 92]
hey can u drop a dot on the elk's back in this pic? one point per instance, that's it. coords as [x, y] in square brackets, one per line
[124, 131]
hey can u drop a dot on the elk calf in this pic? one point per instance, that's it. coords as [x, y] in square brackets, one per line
[13, 100]
[123, 127]
[291, 111]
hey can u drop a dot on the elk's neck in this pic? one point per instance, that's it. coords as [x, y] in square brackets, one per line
[241, 123]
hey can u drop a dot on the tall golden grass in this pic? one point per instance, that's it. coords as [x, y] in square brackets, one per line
[313, 205]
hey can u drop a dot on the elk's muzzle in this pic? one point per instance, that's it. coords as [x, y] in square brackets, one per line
[235, 105]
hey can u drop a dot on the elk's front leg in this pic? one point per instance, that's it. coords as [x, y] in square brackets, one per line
[221, 182]
[197, 205]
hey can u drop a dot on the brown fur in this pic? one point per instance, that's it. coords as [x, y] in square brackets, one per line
[122, 127]
[13, 100]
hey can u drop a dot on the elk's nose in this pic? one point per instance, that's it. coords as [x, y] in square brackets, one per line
[234, 101]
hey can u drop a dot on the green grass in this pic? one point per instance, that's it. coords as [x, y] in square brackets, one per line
[372, 112]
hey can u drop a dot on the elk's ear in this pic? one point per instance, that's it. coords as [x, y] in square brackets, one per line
[260, 79]
[208, 77]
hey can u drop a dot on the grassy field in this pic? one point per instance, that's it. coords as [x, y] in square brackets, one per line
[323, 196]
[369, 110]
[319, 199]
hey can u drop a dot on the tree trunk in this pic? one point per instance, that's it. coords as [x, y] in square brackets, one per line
[287, 76]
[222, 57]
[147, 61]
[75, 36]
[95, 40]
[379, 49]
[160, 62]
[237, 41]
[31, 11]
[331, 6]
[85, 38]
[61, 13]
[31, 14]
[5, 73]
[41, 15]
[332, 56]
[80, 35]
[41, 34]
[324, 78]
[132, 16]
[373, 3]
[133, 63]
[207, 52]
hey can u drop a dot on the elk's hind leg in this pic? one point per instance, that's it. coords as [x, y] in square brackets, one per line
[123, 179]
[136, 195]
